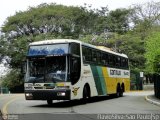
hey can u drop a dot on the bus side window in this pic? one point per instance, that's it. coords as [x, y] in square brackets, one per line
[94, 56]
[86, 52]
[103, 59]
[99, 57]
[126, 63]
[123, 62]
[114, 61]
[107, 59]
[118, 61]
[89, 57]
[110, 60]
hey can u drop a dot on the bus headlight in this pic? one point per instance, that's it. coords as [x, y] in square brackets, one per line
[29, 95]
[61, 94]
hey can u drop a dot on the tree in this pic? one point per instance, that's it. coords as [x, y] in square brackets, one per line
[118, 21]
[51, 18]
[13, 79]
[152, 54]
[149, 11]
[144, 17]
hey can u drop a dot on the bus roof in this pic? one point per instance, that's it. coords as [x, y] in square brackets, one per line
[53, 41]
[44, 42]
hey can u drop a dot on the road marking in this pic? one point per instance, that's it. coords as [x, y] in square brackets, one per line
[5, 106]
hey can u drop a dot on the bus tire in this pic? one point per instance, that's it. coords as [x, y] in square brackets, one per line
[123, 87]
[122, 90]
[121, 93]
[118, 92]
[86, 93]
[49, 102]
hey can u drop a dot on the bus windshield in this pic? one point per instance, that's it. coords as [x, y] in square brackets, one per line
[47, 69]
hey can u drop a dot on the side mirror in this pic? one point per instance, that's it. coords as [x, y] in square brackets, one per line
[23, 67]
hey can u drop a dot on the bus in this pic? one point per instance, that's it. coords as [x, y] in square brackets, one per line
[66, 69]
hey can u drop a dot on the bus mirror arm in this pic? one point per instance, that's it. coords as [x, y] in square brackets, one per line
[23, 67]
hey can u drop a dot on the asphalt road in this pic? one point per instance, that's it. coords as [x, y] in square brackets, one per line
[132, 103]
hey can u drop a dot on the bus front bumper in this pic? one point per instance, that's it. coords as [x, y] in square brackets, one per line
[47, 94]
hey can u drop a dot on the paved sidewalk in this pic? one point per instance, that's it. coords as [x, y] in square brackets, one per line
[152, 99]
[139, 93]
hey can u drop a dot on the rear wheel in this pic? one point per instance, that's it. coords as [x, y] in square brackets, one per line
[119, 91]
[122, 90]
[50, 102]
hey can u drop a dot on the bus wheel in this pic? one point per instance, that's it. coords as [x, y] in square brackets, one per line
[50, 102]
[86, 93]
[118, 93]
[121, 93]
[122, 90]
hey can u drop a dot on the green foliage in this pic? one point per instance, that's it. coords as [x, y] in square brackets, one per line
[12, 79]
[118, 21]
[52, 18]
[152, 54]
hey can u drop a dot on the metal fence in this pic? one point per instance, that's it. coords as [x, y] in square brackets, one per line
[4, 90]
[136, 81]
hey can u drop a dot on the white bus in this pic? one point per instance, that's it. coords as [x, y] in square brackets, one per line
[65, 69]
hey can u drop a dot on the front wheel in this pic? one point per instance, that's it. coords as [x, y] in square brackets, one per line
[86, 94]
[50, 102]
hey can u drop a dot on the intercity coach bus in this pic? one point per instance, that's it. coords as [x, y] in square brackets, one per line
[65, 69]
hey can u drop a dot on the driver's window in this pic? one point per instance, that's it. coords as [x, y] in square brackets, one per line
[75, 69]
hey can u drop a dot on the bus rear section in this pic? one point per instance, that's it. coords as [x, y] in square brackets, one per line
[108, 71]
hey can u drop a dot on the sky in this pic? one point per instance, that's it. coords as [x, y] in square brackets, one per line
[10, 7]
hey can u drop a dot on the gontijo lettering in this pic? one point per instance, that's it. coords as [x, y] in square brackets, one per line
[115, 72]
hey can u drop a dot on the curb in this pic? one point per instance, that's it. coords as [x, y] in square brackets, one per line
[152, 101]
[1, 115]
[139, 91]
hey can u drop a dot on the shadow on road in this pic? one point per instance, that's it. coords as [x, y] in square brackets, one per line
[71, 103]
